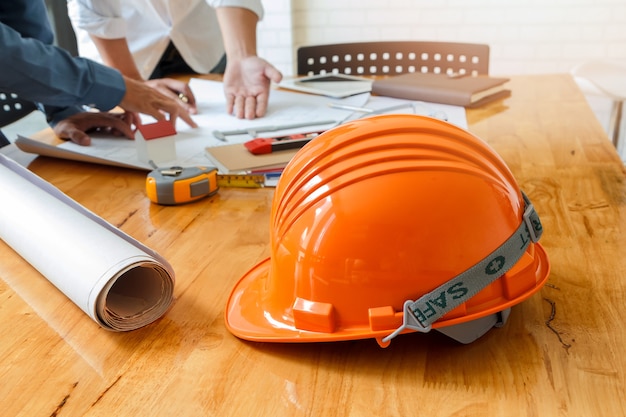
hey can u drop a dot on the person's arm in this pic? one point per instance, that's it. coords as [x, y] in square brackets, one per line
[51, 76]
[238, 28]
[62, 84]
[108, 30]
[247, 77]
[116, 54]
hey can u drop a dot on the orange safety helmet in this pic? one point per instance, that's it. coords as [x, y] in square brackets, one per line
[382, 211]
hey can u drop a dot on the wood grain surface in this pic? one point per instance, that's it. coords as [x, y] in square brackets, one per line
[560, 354]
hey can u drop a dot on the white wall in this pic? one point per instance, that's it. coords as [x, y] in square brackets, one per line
[275, 34]
[526, 36]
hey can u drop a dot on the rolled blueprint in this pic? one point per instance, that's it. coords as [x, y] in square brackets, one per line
[118, 282]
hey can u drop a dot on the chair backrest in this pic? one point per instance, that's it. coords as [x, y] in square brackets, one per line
[393, 58]
[13, 108]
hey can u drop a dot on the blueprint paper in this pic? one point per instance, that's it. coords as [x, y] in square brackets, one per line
[118, 282]
[284, 108]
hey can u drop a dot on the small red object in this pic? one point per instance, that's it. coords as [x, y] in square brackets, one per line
[157, 130]
[261, 146]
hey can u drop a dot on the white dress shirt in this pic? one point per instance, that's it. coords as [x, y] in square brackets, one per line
[149, 25]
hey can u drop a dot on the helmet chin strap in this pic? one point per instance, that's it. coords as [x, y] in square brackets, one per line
[419, 315]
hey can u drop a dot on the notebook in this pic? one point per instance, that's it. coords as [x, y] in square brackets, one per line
[466, 91]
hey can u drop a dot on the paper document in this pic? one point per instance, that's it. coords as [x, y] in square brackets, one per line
[388, 105]
[118, 282]
[285, 108]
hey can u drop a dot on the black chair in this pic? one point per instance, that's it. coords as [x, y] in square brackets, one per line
[3, 140]
[394, 58]
[12, 109]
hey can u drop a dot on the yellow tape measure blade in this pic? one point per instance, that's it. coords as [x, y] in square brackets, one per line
[240, 181]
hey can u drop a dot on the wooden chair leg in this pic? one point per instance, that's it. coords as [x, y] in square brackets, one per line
[615, 122]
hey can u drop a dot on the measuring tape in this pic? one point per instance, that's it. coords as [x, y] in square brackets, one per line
[178, 185]
[240, 181]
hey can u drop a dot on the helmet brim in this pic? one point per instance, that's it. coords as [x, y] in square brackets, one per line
[248, 317]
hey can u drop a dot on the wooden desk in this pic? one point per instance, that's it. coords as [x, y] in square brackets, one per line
[561, 353]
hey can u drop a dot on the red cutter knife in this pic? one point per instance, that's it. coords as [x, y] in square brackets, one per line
[261, 146]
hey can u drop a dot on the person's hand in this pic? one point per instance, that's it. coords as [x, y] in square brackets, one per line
[247, 86]
[77, 126]
[177, 90]
[141, 98]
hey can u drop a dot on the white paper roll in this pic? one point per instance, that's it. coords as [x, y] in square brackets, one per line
[120, 283]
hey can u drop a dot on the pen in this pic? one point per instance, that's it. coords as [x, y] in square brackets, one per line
[368, 110]
[351, 108]
[252, 131]
[396, 107]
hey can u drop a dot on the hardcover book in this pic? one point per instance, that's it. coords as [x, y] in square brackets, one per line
[466, 91]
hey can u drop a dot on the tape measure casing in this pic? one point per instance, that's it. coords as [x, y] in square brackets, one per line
[176, 185]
